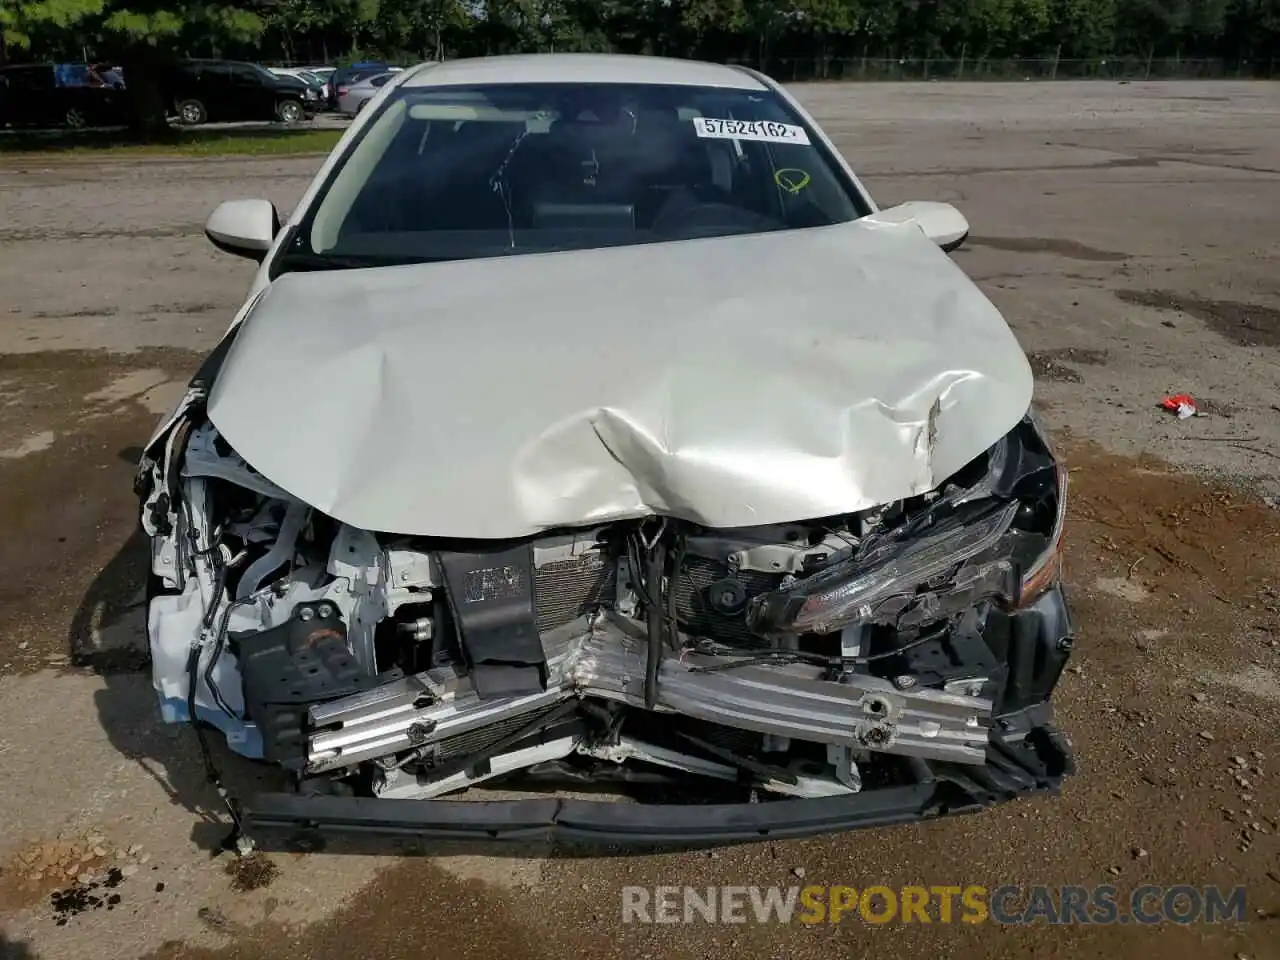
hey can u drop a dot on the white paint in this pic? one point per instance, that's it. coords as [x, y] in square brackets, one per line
[579, 68]
[731, 381]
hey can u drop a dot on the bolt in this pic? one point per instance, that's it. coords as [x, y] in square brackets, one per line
[904, 682]
[306, 613]
[875, 736]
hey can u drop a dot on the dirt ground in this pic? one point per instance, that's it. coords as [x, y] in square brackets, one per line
[1127, 231]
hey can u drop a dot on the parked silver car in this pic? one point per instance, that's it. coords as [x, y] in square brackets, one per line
[351, 100]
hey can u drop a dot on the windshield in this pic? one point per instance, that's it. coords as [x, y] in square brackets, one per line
[451, 173]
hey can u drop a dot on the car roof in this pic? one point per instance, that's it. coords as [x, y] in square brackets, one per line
[581, 68]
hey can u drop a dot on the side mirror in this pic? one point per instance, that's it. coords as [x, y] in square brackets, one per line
[941, 222]
[243, 227]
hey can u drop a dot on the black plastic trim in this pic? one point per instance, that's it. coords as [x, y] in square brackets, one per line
[1031, 760]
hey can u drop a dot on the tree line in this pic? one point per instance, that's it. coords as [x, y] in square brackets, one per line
[759, 32]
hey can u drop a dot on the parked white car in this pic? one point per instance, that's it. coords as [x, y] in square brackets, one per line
[587, 420]
[321, 84]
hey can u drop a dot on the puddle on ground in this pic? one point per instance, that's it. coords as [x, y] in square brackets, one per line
[32, 444]
[152, 388]
[1246, 324]
[69, 565]
[1063, 248]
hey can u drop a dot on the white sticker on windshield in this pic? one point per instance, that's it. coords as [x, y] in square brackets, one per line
[764, 130]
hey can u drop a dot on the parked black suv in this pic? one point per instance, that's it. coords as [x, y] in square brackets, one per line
[224, 90]
[71, 95]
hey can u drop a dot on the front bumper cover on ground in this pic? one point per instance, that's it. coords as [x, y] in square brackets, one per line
[1028, 756]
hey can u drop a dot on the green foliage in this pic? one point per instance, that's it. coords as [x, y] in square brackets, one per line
[20, 19]
[757, 31]
[126, 22]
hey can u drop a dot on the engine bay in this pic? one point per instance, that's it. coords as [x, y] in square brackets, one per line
[809, 659]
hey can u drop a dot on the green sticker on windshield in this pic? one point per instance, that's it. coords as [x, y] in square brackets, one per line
[791, 179]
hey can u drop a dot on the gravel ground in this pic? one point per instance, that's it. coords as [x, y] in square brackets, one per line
[1128, 233]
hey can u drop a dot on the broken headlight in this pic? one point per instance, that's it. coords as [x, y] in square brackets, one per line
[997, 538]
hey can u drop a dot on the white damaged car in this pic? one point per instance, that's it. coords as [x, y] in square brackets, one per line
[588, 423]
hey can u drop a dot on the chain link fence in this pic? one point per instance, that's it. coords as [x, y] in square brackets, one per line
[1042, 68]
[794, 69]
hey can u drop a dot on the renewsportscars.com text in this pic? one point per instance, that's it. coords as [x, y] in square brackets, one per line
[972, 904]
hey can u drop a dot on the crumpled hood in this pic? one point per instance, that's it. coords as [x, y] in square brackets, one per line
[730, 381]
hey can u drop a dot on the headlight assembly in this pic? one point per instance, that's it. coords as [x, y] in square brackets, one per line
[998, 538]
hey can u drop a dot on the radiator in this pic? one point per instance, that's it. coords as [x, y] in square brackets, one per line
[694, 610]
[567, 589]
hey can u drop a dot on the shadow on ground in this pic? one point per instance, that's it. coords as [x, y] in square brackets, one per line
[114, 605]
[15, 949]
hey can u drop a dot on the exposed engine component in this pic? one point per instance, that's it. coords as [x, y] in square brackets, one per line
[805, 660]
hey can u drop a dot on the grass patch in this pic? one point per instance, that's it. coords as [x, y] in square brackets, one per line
[182, 142]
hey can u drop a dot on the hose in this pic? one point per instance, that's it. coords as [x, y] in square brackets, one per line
[654, 621]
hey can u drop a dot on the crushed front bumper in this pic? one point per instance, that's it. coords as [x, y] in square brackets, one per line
[1027, 756]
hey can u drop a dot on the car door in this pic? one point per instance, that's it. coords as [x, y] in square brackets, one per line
[255, 96]
[221, 97]
[35, 96]
[203, 81]
[376, 83]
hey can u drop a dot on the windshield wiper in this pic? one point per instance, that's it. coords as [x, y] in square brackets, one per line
[298, 260]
